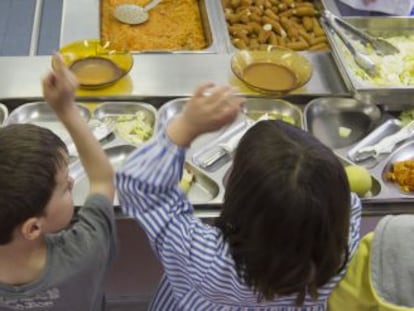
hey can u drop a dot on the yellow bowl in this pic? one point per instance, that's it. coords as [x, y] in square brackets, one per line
[96, 64]
[277, 70]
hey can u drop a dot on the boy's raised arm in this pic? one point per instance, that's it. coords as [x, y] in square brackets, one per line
[59, 89]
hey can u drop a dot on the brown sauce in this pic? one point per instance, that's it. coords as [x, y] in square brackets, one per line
[269, 76]
[95, 71]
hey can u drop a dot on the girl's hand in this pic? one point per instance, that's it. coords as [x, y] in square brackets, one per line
[59, 86]
[204, 113]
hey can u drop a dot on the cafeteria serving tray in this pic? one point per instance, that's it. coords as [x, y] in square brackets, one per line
[41, 114]
[207, 145]
[203, 189]
[322, 117]
[368, 125]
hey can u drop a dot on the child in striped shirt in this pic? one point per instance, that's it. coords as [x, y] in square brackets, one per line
[288, 225]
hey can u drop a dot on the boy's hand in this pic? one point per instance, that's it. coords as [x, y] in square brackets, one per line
[59, 89]
[59, 86]
[204, 113]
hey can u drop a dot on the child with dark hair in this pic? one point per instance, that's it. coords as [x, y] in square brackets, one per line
[288, 223]
[44, 263]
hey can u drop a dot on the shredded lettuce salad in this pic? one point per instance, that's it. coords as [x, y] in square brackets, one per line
[393, 70]
[135, 128]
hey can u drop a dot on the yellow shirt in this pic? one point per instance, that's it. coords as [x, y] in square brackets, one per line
[355, 292]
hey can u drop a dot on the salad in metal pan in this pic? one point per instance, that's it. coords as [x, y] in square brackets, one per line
[393, 70]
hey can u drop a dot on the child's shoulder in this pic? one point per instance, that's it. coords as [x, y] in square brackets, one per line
[92, 232]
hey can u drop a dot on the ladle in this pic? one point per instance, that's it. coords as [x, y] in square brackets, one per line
[381, 47]
[133, 14]
[360, 58]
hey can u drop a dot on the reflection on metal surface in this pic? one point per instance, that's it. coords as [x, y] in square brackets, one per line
[325, 117]
[41, 114]
[4, 112]
[123, 87]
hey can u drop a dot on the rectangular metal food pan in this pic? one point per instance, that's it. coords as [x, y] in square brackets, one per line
[207, 10]
[244, 23]
[393, 98]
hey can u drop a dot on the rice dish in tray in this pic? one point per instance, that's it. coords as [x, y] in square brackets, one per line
[393, 70]
[172, 25]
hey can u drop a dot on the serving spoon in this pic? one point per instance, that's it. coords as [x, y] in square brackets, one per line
[360, 58]
[133, 14]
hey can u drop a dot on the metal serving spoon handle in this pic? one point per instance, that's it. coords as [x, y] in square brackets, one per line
[381, 46]
[361, 59]
[133, 14]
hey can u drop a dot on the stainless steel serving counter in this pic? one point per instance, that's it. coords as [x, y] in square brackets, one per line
[153, 74]
[161, 75]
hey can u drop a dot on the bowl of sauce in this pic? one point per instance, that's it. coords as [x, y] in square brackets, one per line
[276, 70]
[96, 64]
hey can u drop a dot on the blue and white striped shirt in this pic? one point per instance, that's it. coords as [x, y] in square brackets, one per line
[199, 269]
